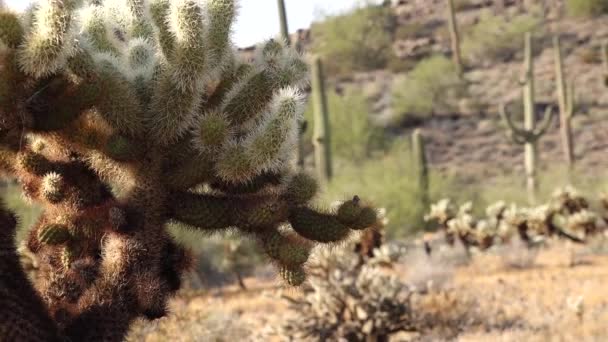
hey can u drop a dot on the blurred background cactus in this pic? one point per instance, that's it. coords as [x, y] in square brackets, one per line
[531, 132]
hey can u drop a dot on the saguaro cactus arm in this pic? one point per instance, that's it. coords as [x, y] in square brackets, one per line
[521, 135]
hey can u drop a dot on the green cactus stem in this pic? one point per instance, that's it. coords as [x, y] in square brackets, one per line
[283, 21]
[322, 129]
[565, 93]
[531, 131]
[420, 162]
[455, 37]
[605, 62]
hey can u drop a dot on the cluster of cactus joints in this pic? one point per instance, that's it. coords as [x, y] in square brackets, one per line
[455, 37]
[322, 129]
[568, 215]
[531, 132]
[119, 118]
[565, 93]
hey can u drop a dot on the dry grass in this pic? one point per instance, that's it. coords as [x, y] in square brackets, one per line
[552, 298]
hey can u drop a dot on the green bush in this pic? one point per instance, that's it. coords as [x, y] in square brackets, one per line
[433, 85]
[353, 134]
[497, 37]
[358, 40]
[586, 8]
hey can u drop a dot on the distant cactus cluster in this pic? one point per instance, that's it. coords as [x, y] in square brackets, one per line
[567, 215]
[120, 117]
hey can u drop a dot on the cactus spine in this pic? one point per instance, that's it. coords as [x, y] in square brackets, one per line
[455, 37]
[322, 129]
[565, 93]
[531, 132]
[421, 166]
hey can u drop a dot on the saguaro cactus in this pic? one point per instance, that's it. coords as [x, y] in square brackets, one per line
[605, 62]
[531, 132]
[283, 21]
[565, 93]
[120, 117]
[455, 37]
[322, 129]
[421, 166]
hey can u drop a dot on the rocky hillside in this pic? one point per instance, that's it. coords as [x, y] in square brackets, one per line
[470, 139]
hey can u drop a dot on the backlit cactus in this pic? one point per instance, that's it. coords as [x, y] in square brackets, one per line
[531, 132]
[121, 117]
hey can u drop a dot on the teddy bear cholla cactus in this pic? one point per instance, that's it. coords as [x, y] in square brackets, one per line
[120, 116]
[351, 301]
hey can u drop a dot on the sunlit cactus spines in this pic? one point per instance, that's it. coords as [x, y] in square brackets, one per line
[120, 117]
[531, 132]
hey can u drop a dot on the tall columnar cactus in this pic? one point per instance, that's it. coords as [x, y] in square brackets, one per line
[283, 21]
[455, 37]
[322, 129]
[119, 117]
[531, 132]
[420, 163]
[565, 93]
[605, 62]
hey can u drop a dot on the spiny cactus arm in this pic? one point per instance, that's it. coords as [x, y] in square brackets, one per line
[325, 227]
[268, 146]
[50, 41]
[209, 212]
[518, 135]
[23, 315]
[159, 12]
[11, 30]
[222, 14]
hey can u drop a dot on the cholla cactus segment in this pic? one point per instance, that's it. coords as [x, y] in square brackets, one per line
[55, 234]
[51, 40]
[293, 276]
[53, 187]
[568, 200]
[301, 189]
[11, 31]
[442, 211]
[496, 210]
[212, 131]
[584, 221]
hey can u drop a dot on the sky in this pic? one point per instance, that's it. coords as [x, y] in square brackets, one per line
[259, 20]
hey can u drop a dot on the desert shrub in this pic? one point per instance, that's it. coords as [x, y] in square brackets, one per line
[497, 37]
[358, 40]
[433, 85]
[360, 302]
[353, 136]
[586, 8]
